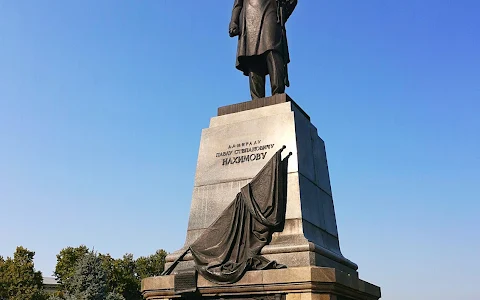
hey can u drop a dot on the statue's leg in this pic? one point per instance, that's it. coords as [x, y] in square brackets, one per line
[276, 70]
[257, 83]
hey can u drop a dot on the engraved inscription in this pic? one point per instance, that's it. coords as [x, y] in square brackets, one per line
[243, 152]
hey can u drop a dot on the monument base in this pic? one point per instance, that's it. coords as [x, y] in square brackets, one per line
[303, 283]
[236, 145]
[233, 149]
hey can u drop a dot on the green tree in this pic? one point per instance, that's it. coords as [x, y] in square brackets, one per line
[89, 281]
[153, 265]
[18, 278]
[67, 260]
[124, 275]
[3, 284]
[122, 278]
[115, 296]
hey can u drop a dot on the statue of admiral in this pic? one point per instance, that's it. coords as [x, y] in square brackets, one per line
[262, 42]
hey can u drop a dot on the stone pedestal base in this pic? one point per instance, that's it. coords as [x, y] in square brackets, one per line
[235, 147]
[304, 283]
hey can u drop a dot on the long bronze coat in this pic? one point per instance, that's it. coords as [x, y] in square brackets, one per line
[259, 29]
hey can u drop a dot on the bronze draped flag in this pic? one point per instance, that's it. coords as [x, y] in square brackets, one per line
[232, 244]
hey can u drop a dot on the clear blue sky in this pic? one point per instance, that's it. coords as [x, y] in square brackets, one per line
[102, 105]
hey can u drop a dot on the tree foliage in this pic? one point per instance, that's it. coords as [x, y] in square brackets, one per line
[67, 260]
[18, 278]
[89, 281]
[82, 274]
[122, 276]
[115, 296]
[152, 265]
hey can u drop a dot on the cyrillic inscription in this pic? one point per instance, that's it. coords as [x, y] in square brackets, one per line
[240, 153]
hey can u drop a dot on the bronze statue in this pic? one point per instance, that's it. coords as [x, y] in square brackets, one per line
[262, 42]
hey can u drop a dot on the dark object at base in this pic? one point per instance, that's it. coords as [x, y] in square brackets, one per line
[185, 283]
[232, 244]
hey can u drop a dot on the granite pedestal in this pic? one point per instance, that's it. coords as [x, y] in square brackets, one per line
[237, 144]
[302, 283]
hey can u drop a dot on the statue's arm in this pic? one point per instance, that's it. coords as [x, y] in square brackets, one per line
[234, 22]
[237, 8]
[291, 7]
